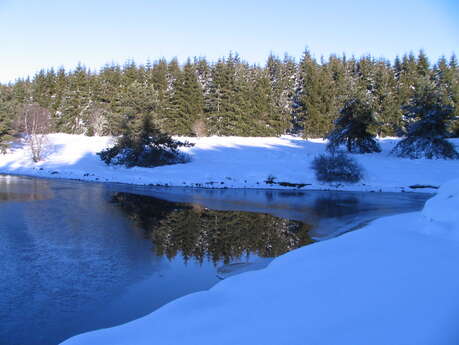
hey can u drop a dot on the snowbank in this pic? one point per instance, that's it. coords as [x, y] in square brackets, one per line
[442, 211]
[444, 207]
[230, 162]
[395, 282]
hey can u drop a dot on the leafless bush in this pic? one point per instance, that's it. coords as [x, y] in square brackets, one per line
[337, 167]
[97, 123]
[200, 128]
[36, 121]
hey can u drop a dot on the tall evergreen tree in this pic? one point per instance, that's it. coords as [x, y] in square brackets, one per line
[282, 76]
[6, 117]
[316, 98]
[76, 101]
[187, 102]
[426, 136]
[386, 100]
[355, 128]
[266, 120]
[446, 76]
[423, 65]
[227, 103]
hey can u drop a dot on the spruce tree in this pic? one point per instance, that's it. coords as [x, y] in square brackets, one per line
[355, 127]
[423, 65]
[454, 67]
[76, 99]
[186, 104]
[158, 79]
[107, 95]
[227, 101]
[6, 120]
[386, 100]
[407, 79]
[266, 120]
[144, 145]
[426, 136]
[446, 76]
[315, 100]
[282, 75]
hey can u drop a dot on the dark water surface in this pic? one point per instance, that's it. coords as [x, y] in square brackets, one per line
[75, 256]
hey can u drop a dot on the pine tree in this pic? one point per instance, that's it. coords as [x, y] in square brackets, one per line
[386, 100]
[355, 128]
[136, 101]
[423, 65]
[227, 103]
[76, 101]
[397, 67]
[454, 67]
[282, 79]
[158, 79]
[187, 102]
[107, 95]
[316, 98]
[43, 88]
[266, 120]
[6, 120]
[407, 79]
[446, 76]
[144, 145]
[426, 137]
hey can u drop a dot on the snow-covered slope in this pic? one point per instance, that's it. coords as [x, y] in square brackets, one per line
[233, 162]
[395, 282]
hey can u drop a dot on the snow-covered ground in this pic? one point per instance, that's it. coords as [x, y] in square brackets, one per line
[231, 162]
[394, 282]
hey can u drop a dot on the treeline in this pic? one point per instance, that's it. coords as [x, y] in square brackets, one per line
[228, 97]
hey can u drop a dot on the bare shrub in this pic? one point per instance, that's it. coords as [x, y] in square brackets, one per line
[337, 167]
[199, 128]
[36, 122]
[97, 123]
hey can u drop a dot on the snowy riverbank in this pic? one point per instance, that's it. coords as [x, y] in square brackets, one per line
[229, 162]
[393, 282]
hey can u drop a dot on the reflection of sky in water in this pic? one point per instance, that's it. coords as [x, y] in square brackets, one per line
[65, 259]
[72, 261]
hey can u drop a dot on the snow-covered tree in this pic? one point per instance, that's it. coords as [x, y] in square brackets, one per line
[355, 128]
[144, 145]
[426, 134]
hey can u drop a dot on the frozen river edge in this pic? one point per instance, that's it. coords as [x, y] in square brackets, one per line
[394, 282]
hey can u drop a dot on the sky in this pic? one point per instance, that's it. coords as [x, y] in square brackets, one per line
[36, 34]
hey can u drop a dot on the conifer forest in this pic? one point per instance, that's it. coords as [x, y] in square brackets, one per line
[230, 96]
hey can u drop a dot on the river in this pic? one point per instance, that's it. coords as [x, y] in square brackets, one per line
[81, 256]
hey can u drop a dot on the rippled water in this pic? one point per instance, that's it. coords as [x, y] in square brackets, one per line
[80, 256]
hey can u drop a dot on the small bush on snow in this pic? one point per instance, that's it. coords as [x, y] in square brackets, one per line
[337, 167]
[145, 146]
[151, 155]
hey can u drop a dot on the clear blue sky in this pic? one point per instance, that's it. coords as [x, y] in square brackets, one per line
[44, 33]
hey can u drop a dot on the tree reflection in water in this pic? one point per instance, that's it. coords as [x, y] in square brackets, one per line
[200, 233]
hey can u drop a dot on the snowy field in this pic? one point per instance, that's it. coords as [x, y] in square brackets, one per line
[395, 282]
[229, 162]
